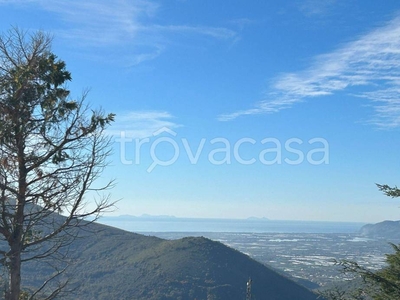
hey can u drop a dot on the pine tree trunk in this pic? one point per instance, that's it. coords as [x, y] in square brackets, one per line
[15, 241]
[15, 273]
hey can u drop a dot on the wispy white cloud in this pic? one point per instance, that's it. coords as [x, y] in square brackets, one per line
[100, 22]
[215, 32]
[134, 60]
[118, 23]
[371, 63]
[141, 124]
[316, 7]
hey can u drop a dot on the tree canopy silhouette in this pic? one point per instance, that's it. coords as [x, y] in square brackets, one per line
[52, 149]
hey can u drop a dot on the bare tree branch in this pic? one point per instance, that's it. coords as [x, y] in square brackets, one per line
[52, 149]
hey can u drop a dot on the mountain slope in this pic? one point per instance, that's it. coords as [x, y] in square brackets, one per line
[115, 264]
[389, 230]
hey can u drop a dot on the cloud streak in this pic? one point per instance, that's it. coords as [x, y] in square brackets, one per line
[119, 24]
[370, 63]
[141, 124]
[315, 7]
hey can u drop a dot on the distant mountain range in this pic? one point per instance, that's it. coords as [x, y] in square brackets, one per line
[168, 217]
[389, 230]
[144, 216]
[114, 264]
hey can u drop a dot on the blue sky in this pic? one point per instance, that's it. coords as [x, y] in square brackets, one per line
[286, 110]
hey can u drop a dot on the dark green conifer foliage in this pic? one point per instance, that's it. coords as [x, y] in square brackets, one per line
[52, 149]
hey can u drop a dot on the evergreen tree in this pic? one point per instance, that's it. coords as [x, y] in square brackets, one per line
[52, 149]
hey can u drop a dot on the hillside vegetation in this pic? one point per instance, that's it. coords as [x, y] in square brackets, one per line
[389, 230]
[116, 264]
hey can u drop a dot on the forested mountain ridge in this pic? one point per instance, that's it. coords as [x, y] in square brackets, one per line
[111, 263]
[389, 230]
